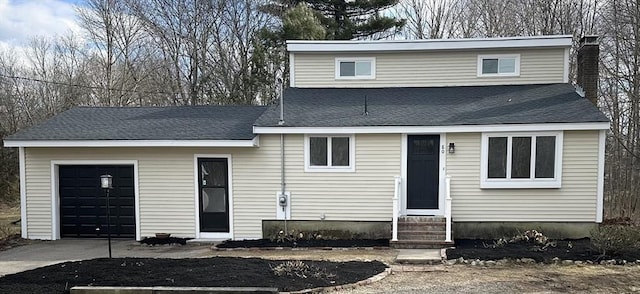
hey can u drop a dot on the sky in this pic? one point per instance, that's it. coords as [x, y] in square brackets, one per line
[22, 19]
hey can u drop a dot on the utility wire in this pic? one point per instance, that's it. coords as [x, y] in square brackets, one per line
[81, 86]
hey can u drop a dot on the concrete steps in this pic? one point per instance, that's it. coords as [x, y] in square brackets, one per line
[421, 232]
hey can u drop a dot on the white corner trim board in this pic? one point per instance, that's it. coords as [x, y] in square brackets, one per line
[23, 193]
[434, 129]
[567, 59]
[292, 70]
[602, 136]
[424, 45]
[132, 143]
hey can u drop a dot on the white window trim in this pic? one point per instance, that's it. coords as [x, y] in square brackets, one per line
[487, 183]
[499, 56]
[355, 59]
[352, 153]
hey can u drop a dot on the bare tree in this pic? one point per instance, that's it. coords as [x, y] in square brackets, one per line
[429, 19]
[620, 93]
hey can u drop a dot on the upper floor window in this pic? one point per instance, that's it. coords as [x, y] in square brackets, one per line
[498, 65]
[521, 160]
[356, 68]
[329, 153]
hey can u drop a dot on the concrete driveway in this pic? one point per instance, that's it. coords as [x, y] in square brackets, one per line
[50, 252]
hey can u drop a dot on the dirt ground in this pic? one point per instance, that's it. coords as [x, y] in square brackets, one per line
[510, 278]
[383, 255]
[8, 215]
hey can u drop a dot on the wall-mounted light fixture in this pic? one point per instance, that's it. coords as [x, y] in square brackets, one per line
[452, 148]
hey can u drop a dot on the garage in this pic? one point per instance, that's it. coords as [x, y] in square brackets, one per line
[83, 203]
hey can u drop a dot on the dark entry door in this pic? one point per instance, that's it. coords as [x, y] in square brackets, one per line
[83, 204]
[214, 194]
[422, 171]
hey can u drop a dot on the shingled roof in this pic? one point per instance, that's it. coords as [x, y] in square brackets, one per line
[147, 123]
[325, 107]
[434, 106]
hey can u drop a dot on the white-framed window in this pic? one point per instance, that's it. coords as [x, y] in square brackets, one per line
[521, 160]
[499, 65]
[329, 153]
[355, 68]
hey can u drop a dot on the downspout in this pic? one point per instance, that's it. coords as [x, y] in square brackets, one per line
[283, 183]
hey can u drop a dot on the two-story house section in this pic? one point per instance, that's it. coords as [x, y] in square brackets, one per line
[486, 133]
[407, 140]
[429, 63]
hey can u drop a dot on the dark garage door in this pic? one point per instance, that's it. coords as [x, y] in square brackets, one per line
[83, 203]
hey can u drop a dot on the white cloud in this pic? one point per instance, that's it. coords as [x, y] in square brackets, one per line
[21, 20]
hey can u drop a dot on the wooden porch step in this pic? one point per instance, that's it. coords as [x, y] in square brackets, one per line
[419, 244]
[422, 234]
[421, 219]
[423, 224]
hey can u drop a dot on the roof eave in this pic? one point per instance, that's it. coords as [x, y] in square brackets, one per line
[564, 41]
[133, 143]
[535, 127]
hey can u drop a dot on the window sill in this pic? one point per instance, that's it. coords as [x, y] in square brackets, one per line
[525, 184]
[329, 169]
[354, 78]
[511, 75]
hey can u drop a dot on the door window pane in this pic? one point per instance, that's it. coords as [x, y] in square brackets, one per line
[363, 68]
[318, 151]
[545, 156]
[423, 146]
[489, 66]
[214, 200]
[497, 164]
[214, 173]
[521, 158]
[347, 69]
[340, 151]
[507, 65]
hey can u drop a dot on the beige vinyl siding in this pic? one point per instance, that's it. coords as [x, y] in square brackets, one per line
[363, 195]
[430, 69]
[575, 201]
[166, 185]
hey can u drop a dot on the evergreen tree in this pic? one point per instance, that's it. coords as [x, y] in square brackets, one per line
[347, 19]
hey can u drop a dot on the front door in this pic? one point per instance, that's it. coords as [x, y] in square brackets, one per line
[423, 161]
[214, 195]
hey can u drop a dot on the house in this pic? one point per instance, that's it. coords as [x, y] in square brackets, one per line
[474, 136]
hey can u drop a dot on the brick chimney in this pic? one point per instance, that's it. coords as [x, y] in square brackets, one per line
[588, 58]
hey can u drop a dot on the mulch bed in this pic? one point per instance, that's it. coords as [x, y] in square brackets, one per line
[342, 243]
[579, 249]
[164, 241]
[198, 272]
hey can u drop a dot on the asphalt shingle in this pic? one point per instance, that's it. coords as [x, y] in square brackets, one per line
[147, 123]
[325, 107]
[435, 106]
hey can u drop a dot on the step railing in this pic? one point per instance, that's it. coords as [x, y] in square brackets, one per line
[396, 208]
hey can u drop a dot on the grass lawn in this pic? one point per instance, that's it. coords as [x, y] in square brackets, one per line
[8, 215]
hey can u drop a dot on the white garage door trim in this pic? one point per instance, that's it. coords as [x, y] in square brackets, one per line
[55, 198]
